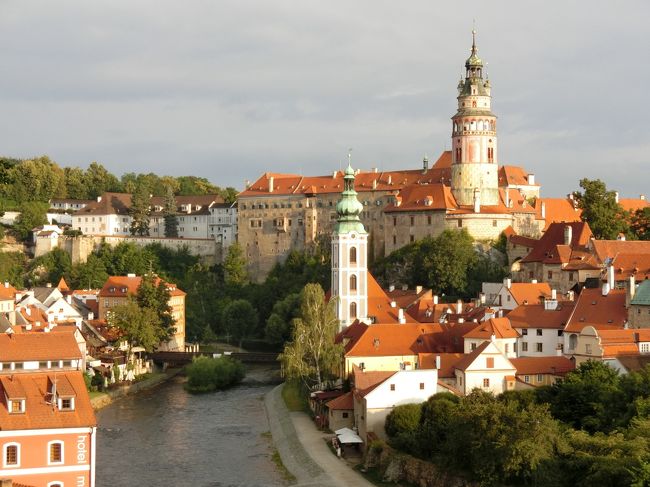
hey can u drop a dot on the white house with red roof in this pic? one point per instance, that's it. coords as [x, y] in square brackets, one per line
[541, 327]
[497, 330]
[487, 368]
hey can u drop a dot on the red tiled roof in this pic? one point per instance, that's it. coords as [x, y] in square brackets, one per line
[469, 358]
[594, 309]
[7, 292]
[513, 176]
[558, 210]
[448, 362]
[39, 413]
[108, 204]
[366, 381]
[530, 292]
[536, 316]
[546, 248]
[122, 286]
[499, 327]
[387, 340]
[344, 402]
[435, 196]
[379, 304]
[20, 347]
[406, 298]
[542, 365]
[633, 204]
[62, 286]
[612, 248]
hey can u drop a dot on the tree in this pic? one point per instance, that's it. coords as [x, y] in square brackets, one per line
[640, 223]
[98, 181]
[169, 214]
[50, 267]
[235, 266]
[140, 211]
[37, 180]
[90, 274]
[139, 325]
[75, 183]
[402, 426]
[155, 296]
[312, 354]
[605, 216]
[33, 214]
[278, 325]
[240, 319]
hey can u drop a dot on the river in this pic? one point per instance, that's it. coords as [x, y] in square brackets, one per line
[166, 436]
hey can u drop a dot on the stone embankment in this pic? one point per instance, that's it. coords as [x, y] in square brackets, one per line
[111, 395]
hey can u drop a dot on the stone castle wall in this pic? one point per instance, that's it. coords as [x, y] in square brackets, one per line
[80, 247]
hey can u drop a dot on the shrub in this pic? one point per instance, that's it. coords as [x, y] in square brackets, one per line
[403, 419]
[210, 374]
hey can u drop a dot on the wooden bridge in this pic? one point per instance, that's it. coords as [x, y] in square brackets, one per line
[184, 358]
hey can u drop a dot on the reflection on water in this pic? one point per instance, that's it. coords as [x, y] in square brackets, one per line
[166, 436]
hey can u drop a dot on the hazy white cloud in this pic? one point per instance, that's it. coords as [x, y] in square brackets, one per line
[230, 89]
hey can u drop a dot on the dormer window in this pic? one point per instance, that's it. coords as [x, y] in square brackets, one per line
[16, 406]
[66, 403]
[111, 289]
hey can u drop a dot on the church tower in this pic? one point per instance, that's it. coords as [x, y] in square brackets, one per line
[349, 257]
[474, 170]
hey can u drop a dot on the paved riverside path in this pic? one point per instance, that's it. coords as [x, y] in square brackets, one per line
[303, 450]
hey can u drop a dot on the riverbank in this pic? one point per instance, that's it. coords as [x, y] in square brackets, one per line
[303, 449]
[105, 398]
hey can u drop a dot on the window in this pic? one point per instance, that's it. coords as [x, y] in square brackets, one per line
[645, 347]
[560, 333]
[55, 452]
[55, 484]
[12, 455]
[412, 220]
[489, 362]
[16, 406]
[588, 348]
[540, 377]
[392, 387]
[526, 379]
[539, 332]
[353, 282]
[473, 346]
[394, 221]
[353, 310]
[412, 238]
[421, 386]
[394, 239]
[524, 331]
[550, 274]
[344, 415]
[507, 347]
[571, 276]
[429, 220]
[539, 347]
[494, 223]
[531, 275]
[524, 346]
[353, 255]
[460, 223]
[486, 382]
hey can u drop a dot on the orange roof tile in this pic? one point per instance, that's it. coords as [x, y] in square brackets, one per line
[379, 307]
[122, 286]
[21, 347]
[542, 365]
[469, 358]
[546, 249]
[387, 340]
[557, 210]
[7, 292]
[499, 327]
[367, 380]
[39, 413]
[536, 316]
[448, 362]
[344, 402]
[428, 197]
[62, 286]
[530, 292]
[594, 309]
[513, 176]
[409, 297]
[633, 204]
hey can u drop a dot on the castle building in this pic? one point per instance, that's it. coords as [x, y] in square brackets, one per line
[349, 257]
[464, 189]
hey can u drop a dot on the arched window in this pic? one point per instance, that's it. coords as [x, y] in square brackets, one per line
[479, 125]
[573, 341]
[353, 282]
[353, 255]
[353, 310]
[55, 484]
[474, 104]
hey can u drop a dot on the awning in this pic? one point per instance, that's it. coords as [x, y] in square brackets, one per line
[345, 430]
[346, 438]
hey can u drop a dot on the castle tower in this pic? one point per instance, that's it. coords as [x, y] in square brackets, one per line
[474, 138]
[349, 257]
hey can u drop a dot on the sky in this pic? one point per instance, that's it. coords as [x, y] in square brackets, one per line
[228, 90]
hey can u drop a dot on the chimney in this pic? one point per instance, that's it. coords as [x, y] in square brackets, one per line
[400, 316]
[610, 276]
[571, 295]
[49, 284]
[507, 282]
[543, 211]
[553, 294]
[533, 281]
[459, 307]
[605, 290]
[435, 299]
[482, 298]
[247, 183]
[130, 275]
[631, 290]
[390, 179]
[477, 200]
[568, 234]
[616, 196]
[425, 164]
[99, 199]
[461, 320]
[374, 184]
[418, 289]
[507, 197]
[531, 179]
[6, 284]
[391, 288]
[642, 197]
[68, 298]
[271, 179]
[393, 304]
[438, 362]
[28, 327]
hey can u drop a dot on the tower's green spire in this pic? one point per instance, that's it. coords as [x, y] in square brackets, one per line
[349, 207]
[474, 63]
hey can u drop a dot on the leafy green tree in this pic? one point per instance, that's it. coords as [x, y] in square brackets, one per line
[75, 183]
[50, 267]
[192, 185]
[98, 181]
[140, 211]
[235, 266]
[229, 194]
[240, 319]
[139, 325]
[126, 257]
[169, 214]
[206, 374]
[640, 223]
[312, 355]
[153, 294]
[278, 325]
[90, 274]
[605, 216]
[37, 180]
[12, 268]
[33, 214]
[402, 426]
